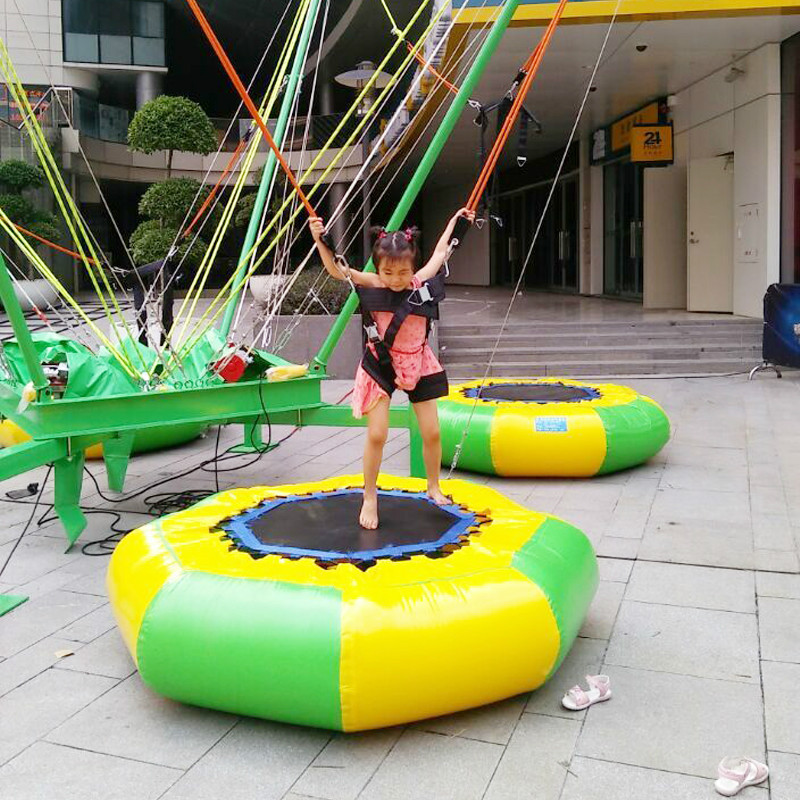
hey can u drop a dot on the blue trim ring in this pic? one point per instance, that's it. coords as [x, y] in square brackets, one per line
[238, 529]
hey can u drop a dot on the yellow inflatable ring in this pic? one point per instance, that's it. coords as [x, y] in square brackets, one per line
[549, 427]
[272, 602]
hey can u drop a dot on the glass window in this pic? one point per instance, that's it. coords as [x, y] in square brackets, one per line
[80, 16]
[115, 17]
[148, 52]
[81, 47]
[148, 19]
[790, 158]
[115, 49]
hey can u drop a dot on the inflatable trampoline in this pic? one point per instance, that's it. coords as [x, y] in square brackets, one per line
[549, 427]
[273, 602]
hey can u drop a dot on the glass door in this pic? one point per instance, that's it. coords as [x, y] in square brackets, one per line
[564, 214]
[624, 230]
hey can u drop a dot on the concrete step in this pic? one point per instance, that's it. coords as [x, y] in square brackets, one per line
[604, 369]
[657, 339]
[478, 327]
[630, 352]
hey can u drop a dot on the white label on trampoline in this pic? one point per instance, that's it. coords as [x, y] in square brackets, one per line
[551, 424]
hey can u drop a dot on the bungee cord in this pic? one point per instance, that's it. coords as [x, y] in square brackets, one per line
[529, 254]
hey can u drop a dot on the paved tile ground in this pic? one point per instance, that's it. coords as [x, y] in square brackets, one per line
[697, 621]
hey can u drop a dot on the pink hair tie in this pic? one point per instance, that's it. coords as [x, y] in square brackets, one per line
[409, 234]
[381, 234]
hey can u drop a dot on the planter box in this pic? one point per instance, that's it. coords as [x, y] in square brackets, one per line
[38, 292]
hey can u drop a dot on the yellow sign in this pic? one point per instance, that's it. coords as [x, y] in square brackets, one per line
[652, 144]
[621, 129]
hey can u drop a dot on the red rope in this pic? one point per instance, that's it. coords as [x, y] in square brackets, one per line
[53, 244]
[530, 68]
[215, 189]
[429, 67]
[240, 88]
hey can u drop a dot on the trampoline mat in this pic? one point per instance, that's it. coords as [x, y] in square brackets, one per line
[534, 393]
[329, 524]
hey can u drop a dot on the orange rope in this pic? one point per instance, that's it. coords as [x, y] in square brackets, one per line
[240, 88]
[53, 245]
[429, 67]
[530, 68]
[228, 167]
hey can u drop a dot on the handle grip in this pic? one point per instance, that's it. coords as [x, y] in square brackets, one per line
[460, 231]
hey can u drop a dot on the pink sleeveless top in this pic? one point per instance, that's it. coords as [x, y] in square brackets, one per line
[411, 354]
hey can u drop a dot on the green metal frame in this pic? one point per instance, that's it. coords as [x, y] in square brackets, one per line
[62, 429]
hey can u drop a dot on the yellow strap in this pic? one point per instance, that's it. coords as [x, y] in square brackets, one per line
[339, 155]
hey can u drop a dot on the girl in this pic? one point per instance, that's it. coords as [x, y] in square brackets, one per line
[402, 355]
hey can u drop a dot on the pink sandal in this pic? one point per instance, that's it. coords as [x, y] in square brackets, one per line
[737, 773]
[576, 699]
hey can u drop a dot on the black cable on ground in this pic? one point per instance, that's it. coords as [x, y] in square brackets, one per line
[29, 522]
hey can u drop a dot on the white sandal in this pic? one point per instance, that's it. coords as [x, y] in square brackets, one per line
[737, 773]
[576, 699]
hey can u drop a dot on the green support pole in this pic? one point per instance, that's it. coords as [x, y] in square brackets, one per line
[20, 327]
[295, 74]
[417, 181]
[67, 495]
[116, 455]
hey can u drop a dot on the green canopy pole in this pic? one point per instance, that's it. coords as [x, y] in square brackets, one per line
[17, 319]
[295, 74]
[425, 166]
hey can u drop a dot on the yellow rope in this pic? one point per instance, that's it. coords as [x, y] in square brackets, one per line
[8, 226]
[390, 85]
[271, 96]
[65, 203]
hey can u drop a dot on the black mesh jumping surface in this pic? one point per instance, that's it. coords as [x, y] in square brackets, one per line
[326, 526]
[533, 393]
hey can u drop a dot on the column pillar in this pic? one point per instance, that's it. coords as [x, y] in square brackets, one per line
[337, 190]
[149, 85]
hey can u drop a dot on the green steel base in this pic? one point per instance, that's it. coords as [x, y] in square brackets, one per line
[8, 602]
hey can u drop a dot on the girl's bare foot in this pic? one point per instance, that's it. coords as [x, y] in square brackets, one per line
[435, 494]
[369, 512]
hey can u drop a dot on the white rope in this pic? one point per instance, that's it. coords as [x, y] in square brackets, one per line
[553, 186]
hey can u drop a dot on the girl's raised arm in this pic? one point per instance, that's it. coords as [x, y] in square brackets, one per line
[339, 271]
[439, 255]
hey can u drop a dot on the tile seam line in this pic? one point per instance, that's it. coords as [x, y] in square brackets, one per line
[109, 755]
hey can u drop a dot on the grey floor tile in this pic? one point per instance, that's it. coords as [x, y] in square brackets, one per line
[46, 771]
[616, 570]
[705, 478]
[771, 584]
[673, 722]
[707, 456]
[491, 723]
[701, 505]
[535, 762]
[428, 766]
[687, 641]
[600, 780]
[91, 583]
[772, 532]
[91, 626]
[133, 722]
[776, 561]
[783, 722]
[618, 547]
[31, 710]
[42, 617]
[779, 623]
[19, 668]
[626, 522]
[589, 497]
[784, 776]
[602, 613]
[257, 759]
[585, 658]
[106, 655]
[700, 587]
[348, 761]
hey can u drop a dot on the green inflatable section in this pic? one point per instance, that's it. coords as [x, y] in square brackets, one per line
[476, 451]
[634, 433]
[274, 653]
[561, 561]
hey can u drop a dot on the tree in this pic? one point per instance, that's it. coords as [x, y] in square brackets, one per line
[16, 178]
[171, 123]
[170, 206]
